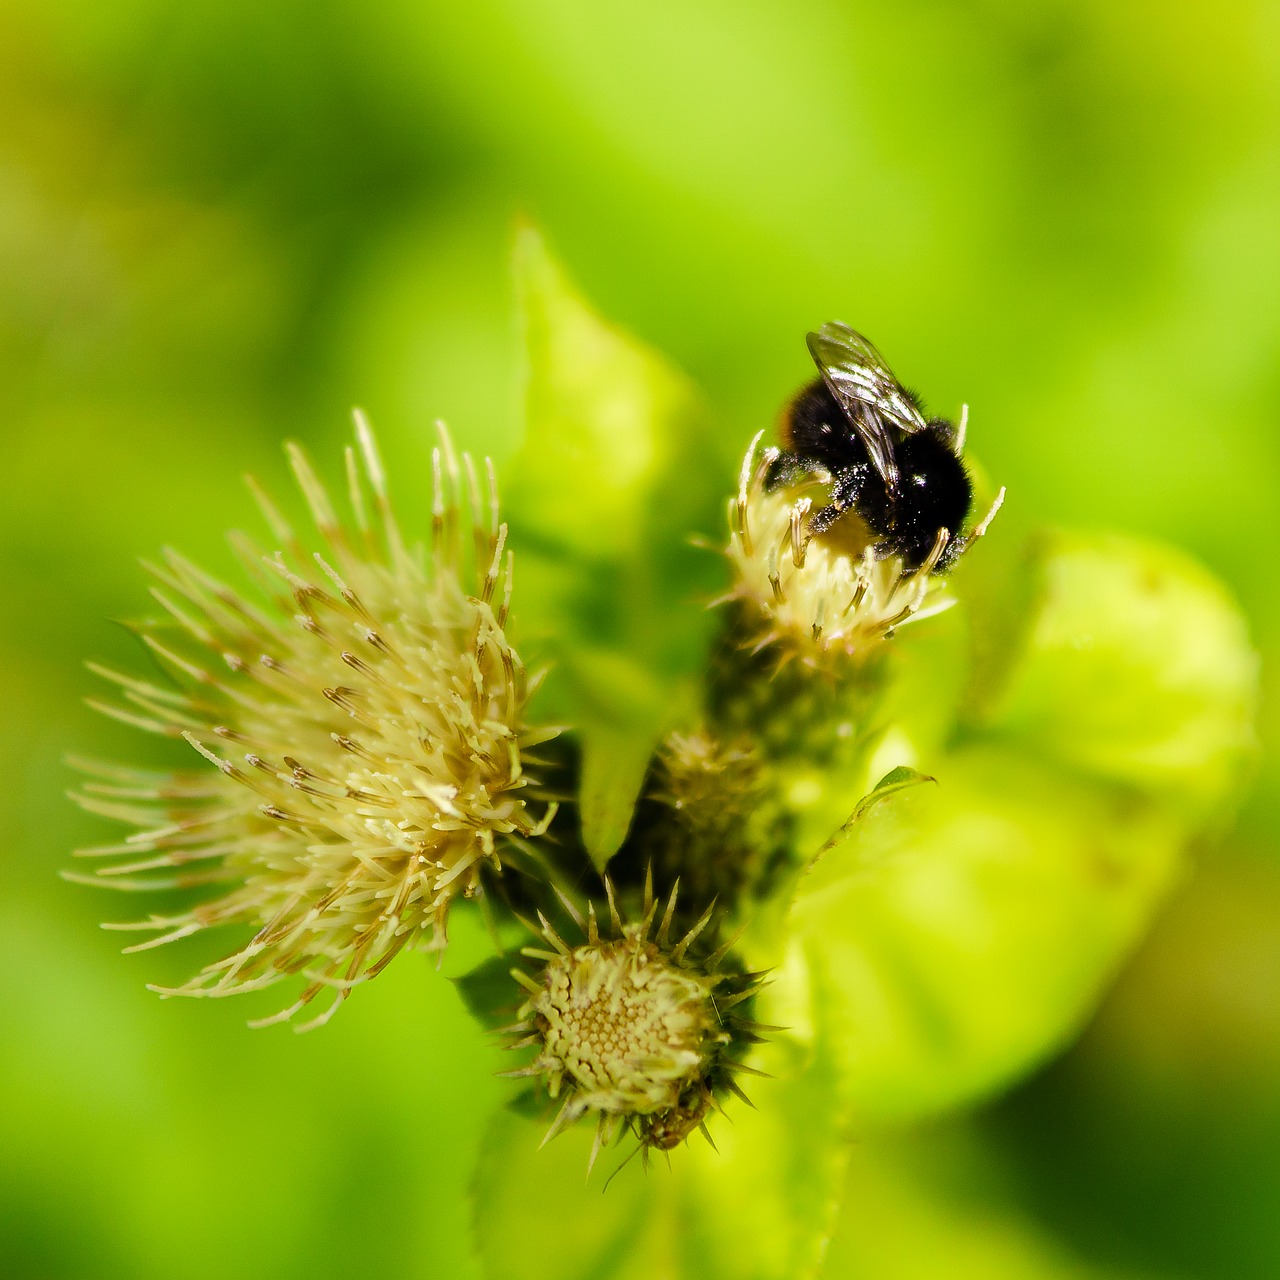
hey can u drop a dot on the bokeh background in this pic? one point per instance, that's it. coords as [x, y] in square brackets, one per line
[225, 223]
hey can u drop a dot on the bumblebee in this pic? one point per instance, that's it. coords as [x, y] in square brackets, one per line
[899, 472]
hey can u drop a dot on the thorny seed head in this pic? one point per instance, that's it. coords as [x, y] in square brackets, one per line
[825, 596]
[635, 1027]
[362, 730]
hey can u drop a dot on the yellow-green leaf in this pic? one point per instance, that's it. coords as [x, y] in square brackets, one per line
[955, 935]
[1135, 666]
[759, 1208]
[617, 472]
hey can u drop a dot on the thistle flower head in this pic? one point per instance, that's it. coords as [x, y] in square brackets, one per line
[635, 1027]
[825, 595]
[361, 728]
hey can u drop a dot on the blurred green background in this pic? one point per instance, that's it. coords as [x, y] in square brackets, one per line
[221, 224]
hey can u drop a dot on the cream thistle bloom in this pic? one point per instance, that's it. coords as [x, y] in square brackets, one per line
[635, 1027]
[361, 727]
[824, 596]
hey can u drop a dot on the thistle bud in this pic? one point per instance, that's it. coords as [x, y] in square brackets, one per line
[711, 817]
[635, 1027]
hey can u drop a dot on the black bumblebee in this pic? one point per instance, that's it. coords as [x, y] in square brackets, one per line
[899, 472]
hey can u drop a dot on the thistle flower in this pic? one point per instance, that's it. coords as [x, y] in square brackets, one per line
[821, 596]
[634, 1027]
[365, 726]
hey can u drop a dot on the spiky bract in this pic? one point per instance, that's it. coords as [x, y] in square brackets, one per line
[711, 817]
[635, 1027]
[365, 720]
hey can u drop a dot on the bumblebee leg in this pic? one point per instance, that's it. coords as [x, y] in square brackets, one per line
[963, 544]
[845, 492]
[822, 519]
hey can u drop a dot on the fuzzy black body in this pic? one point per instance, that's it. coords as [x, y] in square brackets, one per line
[900, 474]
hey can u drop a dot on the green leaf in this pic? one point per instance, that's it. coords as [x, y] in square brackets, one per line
[1134, 665]
[764, 1205]
[623, 710]
[535, 1216]
[618, 470]
[954, 935]
[897, 779]
[925, 1205]
[613, 770]
[759, 1208]
[489, 992]
[766, 935]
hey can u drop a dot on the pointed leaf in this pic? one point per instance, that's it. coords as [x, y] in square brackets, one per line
[614, 766]
[618, 470]
[897, 779]
[622, 710]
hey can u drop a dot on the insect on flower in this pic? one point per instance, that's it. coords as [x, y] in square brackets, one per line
[845, 534]
[900, 473]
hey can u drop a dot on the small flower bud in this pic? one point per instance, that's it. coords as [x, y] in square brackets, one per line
[634, 1027]
[711, 817]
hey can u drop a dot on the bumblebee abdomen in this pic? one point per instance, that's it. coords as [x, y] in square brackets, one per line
[934, 492]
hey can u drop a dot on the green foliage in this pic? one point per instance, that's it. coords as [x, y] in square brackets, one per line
[617, 473]
[957, 933]
[759, 1208]
[1134, 666]
[942, 933]
[224, 223]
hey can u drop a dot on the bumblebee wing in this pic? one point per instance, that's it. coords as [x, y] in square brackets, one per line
[865, 388]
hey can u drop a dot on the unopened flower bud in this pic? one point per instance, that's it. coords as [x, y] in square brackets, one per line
[636, 1027]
